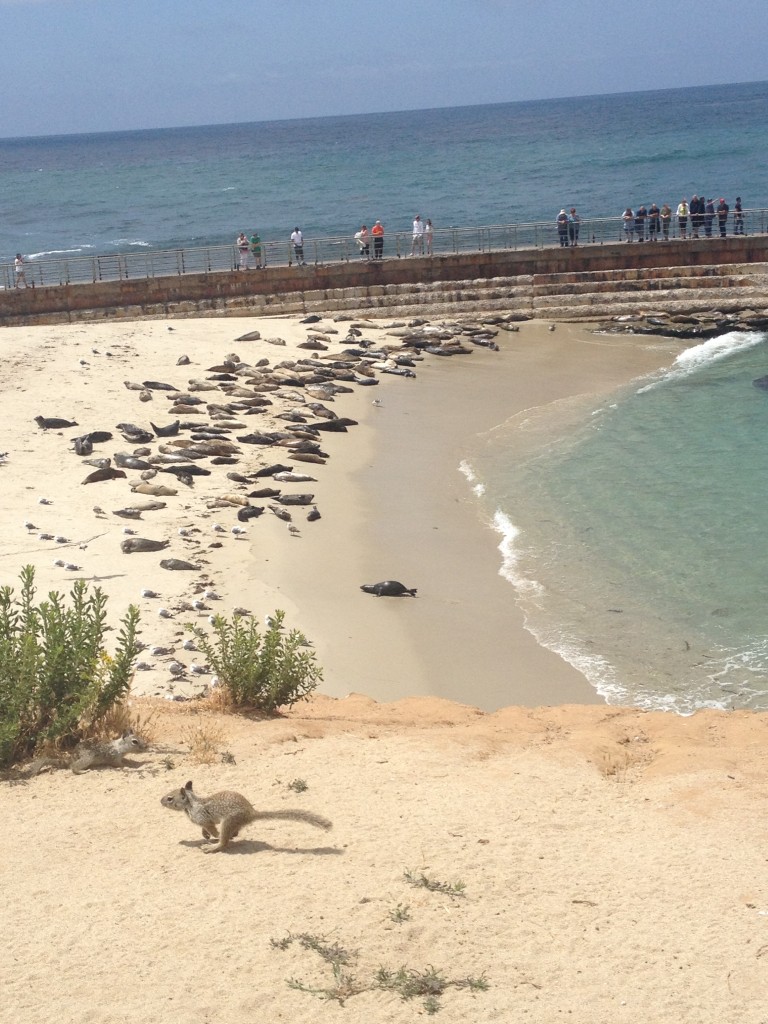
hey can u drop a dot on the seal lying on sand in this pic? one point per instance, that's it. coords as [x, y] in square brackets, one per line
[389, 588]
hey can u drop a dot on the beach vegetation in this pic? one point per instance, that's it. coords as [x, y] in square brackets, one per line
[58, 683]
[400, 914]
[298, 785]
[205, 741]
[409, 983]
[422, 881]
[261, 670]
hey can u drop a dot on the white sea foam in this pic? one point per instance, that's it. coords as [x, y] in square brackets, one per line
[47, 253]
[710, 351]
[132, 241]
[477, 488]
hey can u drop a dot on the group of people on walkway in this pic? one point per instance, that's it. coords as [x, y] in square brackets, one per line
[363, 238]
[250, 249]
[653, 223]
[568, 225]
[251, 252]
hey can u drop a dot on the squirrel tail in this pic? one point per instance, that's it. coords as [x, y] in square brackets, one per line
[306, 816]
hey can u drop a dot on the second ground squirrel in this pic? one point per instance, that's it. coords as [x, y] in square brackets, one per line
[93, 754]
[231, 810]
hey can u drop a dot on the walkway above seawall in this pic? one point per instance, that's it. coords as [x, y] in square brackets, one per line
[589, 282]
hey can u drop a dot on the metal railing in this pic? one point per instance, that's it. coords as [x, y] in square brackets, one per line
[322, 251]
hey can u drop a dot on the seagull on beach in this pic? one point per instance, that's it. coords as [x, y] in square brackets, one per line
[29, 526]
[211, 595]
[146, 592]
[238, 531]
[189, 645]
[164, 613]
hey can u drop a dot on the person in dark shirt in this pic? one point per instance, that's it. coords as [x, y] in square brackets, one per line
[738, 217]
[640, 215]
[722, 215]
[654, 223]
[696, 207]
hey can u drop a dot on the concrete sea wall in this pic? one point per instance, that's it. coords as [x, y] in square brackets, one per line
[583, 283]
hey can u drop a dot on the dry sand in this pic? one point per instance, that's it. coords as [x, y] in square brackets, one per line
[613, 860]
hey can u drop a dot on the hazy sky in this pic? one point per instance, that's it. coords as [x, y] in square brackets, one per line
[101, 65]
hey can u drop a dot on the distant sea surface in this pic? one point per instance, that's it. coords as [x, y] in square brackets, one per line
[461, 166]
[635, 533]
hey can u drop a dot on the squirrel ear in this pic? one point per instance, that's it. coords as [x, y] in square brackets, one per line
[188, 787]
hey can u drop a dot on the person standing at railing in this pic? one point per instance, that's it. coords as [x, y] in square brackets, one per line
[665, 215]
[722, 215]
[709, 217]
[653, 222]
[429, 232]
[18, 268]
[417, 245]
[362, 239]
[682, 217]
[640, 215]
[256, 251]
[574, 223]
[629, 223]
[562, 227]
[243, 248]
[696, 207]
[738, 217]
[378, 240]
[297, 240]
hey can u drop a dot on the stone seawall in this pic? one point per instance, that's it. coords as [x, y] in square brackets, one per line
[588, 282]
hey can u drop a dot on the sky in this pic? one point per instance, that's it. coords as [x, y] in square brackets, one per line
[107, 65]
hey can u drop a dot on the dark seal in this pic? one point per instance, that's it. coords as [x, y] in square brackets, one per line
[389, 588]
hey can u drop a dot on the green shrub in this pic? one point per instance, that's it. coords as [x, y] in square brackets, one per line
[261, 671]
[56, 678]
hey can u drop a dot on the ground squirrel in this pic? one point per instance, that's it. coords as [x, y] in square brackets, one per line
[93, 754]
[230, 809]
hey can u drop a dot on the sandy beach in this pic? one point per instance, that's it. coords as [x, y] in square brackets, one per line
[492, 818]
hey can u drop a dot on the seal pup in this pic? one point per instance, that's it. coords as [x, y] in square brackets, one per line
[132, 544]
[177, 564]
[108, 473]
[389, 588]
[53, 423]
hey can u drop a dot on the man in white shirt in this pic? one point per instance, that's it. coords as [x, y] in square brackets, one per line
[418, 236]
[297, 240]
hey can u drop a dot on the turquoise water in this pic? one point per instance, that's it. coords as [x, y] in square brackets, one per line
[637, 538]
[497, 164]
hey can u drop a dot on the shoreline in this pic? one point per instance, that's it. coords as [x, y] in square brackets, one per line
[393, 504]
[409, 514]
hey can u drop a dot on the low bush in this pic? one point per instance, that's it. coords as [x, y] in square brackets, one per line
[57, 681]
[261, 671]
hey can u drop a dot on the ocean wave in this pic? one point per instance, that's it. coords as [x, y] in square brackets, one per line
[510, 555]
[131, 241]
[478, 488]
[710, 351]
[47, 253]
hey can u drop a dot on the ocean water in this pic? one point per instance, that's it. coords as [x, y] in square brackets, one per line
[635, 531]
[463, 166]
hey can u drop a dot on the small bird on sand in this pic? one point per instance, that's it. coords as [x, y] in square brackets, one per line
[29, 526]
[146, 592]
[164, 613]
